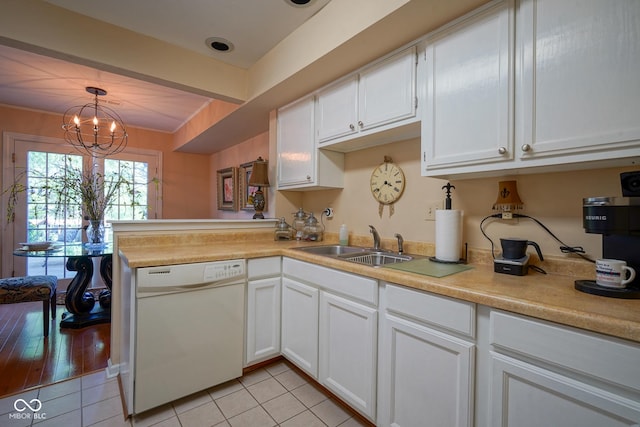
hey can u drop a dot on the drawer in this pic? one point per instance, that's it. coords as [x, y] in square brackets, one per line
[446, 313]
[263, 267]
[347, 284]
[606, 358]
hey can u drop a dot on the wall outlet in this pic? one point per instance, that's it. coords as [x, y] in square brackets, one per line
[328, 212]
[432, 207]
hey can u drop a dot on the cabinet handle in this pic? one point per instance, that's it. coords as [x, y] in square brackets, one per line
[526, 147]
[502, 150]
[308, 177]
[351, 126]
[360, 123]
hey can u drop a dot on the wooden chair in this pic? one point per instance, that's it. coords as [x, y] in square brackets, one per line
[31, 288]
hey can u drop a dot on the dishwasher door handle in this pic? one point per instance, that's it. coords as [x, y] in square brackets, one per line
[148, 291]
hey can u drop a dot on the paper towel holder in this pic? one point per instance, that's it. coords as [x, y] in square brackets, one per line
[462, 260]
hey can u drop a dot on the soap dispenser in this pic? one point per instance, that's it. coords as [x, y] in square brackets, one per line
[313, 230]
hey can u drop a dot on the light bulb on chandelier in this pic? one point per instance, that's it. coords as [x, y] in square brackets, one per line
[94, 129]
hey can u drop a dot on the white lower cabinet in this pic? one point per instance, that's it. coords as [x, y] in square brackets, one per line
[300, 325]
[329, 330]
[426, 374]
[263, 309]
[348, 339]
[544, 374]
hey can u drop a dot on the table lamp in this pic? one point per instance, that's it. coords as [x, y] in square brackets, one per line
[259, 178]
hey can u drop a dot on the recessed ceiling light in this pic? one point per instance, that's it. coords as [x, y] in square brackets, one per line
[298, 3]
[219, 44]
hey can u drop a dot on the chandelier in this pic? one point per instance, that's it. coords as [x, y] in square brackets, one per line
[94, 129]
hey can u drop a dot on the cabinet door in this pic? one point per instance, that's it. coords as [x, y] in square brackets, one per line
[578, 86]
[263, 319]
[300, 325]
[336, 110]
[296, 146]
[469, 95]
[525, 395]
[387, 91]
[426, 377]
[348, 333]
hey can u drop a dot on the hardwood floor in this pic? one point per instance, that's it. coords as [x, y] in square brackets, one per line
[27, 359]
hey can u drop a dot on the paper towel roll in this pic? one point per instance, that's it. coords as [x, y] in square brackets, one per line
[448, 234]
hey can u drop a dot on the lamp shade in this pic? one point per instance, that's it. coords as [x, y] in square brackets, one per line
[508, 198]
[259, 173]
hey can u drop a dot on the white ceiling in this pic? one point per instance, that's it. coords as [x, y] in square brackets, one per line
[33, 81]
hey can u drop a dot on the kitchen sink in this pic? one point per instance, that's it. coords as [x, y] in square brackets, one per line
[376, 258]
[359, 255]
[332, 250]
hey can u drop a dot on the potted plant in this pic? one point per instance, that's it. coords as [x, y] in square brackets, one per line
[74, 192]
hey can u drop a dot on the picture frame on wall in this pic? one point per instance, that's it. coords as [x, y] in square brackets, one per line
[228, 189]
[247, 191]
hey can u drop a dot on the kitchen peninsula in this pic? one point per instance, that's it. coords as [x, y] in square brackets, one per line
[539, 307]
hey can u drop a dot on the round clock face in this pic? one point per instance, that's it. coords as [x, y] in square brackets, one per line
[387, 183]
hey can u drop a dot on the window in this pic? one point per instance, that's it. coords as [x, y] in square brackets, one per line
[40, 215]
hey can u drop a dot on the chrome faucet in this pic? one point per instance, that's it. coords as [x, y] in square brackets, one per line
[400, 242]
[376, 237]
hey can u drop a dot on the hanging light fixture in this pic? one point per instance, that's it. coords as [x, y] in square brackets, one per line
[94, 129]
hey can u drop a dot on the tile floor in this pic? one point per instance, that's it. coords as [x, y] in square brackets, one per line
[275, 395]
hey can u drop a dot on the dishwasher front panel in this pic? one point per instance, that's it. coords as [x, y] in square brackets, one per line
[187, 342]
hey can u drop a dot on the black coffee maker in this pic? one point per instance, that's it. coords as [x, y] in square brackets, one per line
[618, 220]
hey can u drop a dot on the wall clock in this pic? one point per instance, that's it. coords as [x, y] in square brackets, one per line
[387, 184]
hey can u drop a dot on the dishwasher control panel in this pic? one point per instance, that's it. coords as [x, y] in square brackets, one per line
[223, 270]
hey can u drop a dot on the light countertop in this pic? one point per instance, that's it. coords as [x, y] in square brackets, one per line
[549, 297]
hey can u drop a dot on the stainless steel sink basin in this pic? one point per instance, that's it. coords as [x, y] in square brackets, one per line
[376, 258]
[359, 255]
[332, 250]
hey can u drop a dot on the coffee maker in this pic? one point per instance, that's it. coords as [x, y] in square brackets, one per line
[618, 220]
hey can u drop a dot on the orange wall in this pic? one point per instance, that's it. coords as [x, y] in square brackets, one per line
[186, 177]
[244, 152]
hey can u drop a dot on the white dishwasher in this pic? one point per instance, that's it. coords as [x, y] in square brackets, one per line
[189, 326]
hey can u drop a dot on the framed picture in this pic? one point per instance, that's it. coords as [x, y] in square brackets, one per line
[247, 191]
[228, 189]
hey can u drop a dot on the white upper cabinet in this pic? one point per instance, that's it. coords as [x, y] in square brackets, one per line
[357, 111]
[558, 90]
[300, 164]
[578, 79]
[469, 90]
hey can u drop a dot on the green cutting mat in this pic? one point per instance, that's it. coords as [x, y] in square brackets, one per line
[429, 268]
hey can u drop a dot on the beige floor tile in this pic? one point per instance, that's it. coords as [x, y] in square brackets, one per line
[59, 389]
[69, 419]
[225, 389]
[277, 368]
[225, 423]
[254, 377]
[100, 392]
[330, 413]
[192, 401]
[255, 417]
[171, 422]
[291, 379]
[266, 390]
[6, 403]
[94, 379]
[284, 407]
[102, 410]
[117, 421]
[61, 405]
[304, 419]
[309, 395]
[203, 415]
[236, 403]
[154, 416]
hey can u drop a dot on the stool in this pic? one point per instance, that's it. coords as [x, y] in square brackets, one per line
[31, 288]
